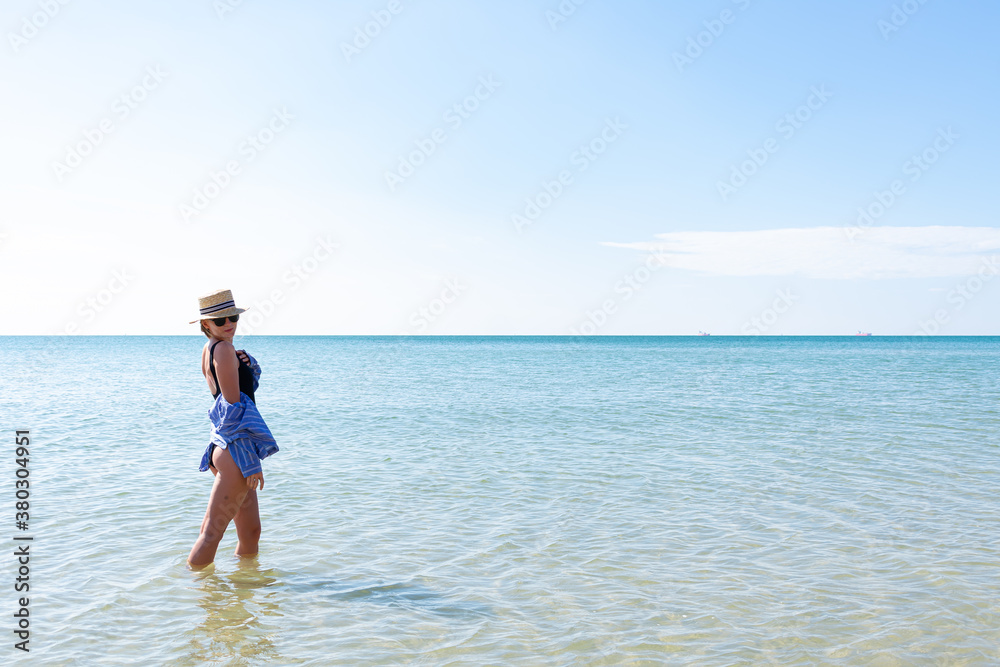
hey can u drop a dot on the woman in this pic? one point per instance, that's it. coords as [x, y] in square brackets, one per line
[240, 438]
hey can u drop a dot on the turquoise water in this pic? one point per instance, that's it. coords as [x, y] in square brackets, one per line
[526, 501]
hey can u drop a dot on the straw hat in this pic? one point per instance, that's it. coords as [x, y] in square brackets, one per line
[217, 304]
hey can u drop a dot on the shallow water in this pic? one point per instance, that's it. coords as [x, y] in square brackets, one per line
[537, 501]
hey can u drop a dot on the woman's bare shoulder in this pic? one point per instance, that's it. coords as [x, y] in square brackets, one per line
[222, 350]
[225, 352]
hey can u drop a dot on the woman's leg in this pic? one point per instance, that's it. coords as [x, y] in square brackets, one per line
[247, 522]
[205, 520]
[228, 493]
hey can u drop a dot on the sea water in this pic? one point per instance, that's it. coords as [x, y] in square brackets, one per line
[517, 501]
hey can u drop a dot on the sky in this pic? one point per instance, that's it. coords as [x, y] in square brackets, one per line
[737, 167]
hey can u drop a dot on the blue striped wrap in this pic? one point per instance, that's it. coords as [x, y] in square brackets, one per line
[239, 428]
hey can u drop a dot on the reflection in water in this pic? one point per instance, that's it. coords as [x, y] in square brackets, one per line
[235, 605]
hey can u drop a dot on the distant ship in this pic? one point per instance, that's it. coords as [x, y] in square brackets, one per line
[862, 333]
[705, 333]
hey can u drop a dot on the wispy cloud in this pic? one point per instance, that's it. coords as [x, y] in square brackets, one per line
[827, 252]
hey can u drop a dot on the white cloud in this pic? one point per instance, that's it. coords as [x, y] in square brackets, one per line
[828, 252]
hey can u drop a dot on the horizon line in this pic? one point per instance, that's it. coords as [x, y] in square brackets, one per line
[199, 335]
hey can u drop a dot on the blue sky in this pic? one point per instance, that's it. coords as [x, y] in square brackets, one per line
[713, 157]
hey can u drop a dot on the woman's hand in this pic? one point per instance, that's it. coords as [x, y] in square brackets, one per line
[242, 354]
[253, 480]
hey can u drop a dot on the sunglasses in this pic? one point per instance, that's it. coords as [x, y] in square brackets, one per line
[221, 321]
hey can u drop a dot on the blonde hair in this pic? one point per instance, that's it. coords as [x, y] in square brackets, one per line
[204, 329]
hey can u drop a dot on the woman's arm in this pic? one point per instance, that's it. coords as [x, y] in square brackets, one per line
[227, 368]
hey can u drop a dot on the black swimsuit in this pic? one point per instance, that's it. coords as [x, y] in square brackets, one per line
[246, 383]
